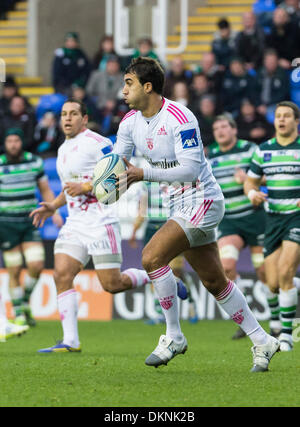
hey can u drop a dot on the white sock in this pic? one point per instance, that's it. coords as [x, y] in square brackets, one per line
[288, 301]
[2, 310]
[138, 277]
[68, 309]
[166, 289]
[235, 305]
[29, 285]
[296, 282]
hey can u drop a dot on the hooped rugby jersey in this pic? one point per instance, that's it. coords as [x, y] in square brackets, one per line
[76, 161]
[281, 166]
[18, 184]
[224, 165]
[169, 139]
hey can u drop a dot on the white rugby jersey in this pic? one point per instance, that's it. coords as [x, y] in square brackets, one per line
[171, 143]
[76, 161]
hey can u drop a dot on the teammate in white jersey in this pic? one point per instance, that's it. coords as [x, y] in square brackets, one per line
[91, 229]
[168, 136]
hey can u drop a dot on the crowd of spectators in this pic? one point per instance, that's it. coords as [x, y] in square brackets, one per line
[245, 73]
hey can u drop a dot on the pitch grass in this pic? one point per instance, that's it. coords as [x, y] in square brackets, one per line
[110, 372]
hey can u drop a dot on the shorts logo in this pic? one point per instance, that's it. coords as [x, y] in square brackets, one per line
[189, 139]
[267, 157]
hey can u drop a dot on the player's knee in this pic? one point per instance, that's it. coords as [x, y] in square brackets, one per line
[35, 268]
[150, 261]
[63, 279]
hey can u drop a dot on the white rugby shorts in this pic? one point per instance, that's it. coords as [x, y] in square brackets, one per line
[200, 223]
[82, 242]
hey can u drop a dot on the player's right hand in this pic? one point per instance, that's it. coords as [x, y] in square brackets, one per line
[257, 197]
[40, 215]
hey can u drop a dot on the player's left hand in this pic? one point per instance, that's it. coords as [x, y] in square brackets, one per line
[130, 176]
[74, 189]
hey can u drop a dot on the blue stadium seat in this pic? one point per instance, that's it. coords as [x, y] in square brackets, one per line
[50, 168]
[52, 103]
[263, 6]
[295, 96]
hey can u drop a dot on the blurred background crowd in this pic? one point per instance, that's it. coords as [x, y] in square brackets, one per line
[245, 73]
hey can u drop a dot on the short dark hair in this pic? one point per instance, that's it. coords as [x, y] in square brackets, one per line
[223, 23]
[291, 105]
[83, 107]
[148, 70]
[228, 117]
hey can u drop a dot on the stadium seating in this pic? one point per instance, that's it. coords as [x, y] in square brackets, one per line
[52, 103]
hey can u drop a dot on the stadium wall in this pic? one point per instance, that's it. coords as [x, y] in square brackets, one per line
[56, 18]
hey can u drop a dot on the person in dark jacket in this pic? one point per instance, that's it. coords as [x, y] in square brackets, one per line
[250, 42]
[70, 65]
[273, 83]
[253, 126]
[223, 45]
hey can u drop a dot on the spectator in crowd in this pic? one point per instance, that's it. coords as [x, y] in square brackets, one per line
[273, 83]
[293, 9]
[212, 70]
[237, 85]
[283, 37]
[79, 92]
[205, 115]
[253, 126]
[200, 87]
[19, 116]
[145, 48]
[111, 115]
[70, 65]
[48, 136]
[177, 73]
[106, 49]
[250, 42]
[5, 6]
[180, 93]
[106, 85]
[9, 90]
[223, 45]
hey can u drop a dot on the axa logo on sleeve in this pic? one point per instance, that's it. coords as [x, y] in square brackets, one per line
[189, 139]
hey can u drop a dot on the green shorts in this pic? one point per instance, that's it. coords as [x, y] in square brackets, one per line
[279, 228]
[13, 234]
[151, 229]
[250, 228]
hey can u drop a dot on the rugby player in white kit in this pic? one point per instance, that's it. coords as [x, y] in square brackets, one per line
[168, 136]
[92, 230]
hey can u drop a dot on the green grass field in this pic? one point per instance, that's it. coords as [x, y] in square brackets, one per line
[111, 371]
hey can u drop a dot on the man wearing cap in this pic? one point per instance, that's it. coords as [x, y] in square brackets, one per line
[21, 173]
[70, 65]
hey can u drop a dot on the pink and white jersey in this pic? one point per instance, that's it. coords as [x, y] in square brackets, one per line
[171, 143]
[76, 160]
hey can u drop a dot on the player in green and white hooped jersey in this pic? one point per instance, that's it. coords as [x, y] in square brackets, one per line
[20, 174]
[242, 225]
[279, 160]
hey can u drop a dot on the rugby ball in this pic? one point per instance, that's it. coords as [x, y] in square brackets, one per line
[104, 178]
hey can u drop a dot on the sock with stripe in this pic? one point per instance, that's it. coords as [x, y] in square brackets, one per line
[288, 305]
[68, 310]
[29, 285]
[138, 277]
[17, 295]
[273, 304]
[165, 286]
[235, 305]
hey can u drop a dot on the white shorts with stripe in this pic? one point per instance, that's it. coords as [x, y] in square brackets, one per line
[200, 223]
[82, 242]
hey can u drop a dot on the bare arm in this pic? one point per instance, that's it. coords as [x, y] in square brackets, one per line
[251, 189]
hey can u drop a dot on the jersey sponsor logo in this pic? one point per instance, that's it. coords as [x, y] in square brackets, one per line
[189, 139]
[150, 144]
[163, 164]
[162, 131]
[267, 157]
